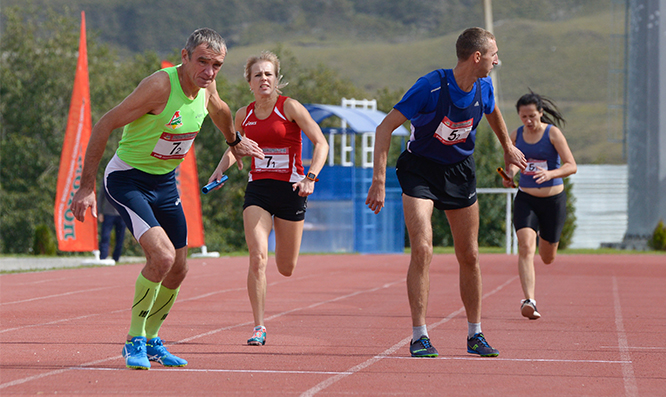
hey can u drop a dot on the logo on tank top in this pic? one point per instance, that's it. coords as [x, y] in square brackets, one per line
[176, 121]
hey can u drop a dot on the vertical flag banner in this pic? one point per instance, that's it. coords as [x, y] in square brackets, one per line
[73, 235]
[187, 178]
[188, 186]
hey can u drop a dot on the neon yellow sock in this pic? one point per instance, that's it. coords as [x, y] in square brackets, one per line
[163, 303]
[144, 298]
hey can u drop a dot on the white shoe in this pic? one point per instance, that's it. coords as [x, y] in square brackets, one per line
[528, 309]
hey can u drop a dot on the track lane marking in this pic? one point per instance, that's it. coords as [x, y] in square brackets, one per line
[630, 386]
[179, 301]
[535, 360]
[233, 371]
[59, 371]
[388, 352]
[56, 295]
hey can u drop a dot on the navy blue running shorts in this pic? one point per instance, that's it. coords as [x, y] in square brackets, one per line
[145, 200]
[450, 186]
[276, 197]
[545, 215]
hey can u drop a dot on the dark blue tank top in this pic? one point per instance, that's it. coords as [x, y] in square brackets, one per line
[449, 137]
[539, 154]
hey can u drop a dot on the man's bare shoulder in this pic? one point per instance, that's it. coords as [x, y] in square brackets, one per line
[157, 83]
[153, 92]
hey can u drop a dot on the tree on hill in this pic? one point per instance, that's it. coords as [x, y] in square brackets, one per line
[134, 27]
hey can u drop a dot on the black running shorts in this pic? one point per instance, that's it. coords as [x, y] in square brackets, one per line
[450, 186]
[276, 197]
[545, 215]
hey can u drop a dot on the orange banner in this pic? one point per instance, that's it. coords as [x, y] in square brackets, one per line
[188, 187]
[73, 235]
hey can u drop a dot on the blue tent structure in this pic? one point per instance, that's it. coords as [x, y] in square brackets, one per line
[337, 219]
[358, 120]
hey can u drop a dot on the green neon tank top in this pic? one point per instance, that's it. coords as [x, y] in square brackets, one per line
[157, 144]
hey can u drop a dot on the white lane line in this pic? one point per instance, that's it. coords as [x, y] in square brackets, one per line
[179, 301]
[17, 382]
[83, 291]
[386, 353]
[215, 331]
[63, 320]
[59, 371]
[634, 347]
[244, 288]
[536, 360]
[232, 371]
[630, 386]
[49, 280]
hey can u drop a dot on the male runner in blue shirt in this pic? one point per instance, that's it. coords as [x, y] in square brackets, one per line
[437, 171]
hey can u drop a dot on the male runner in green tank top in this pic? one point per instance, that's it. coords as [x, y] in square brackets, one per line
[162, 116]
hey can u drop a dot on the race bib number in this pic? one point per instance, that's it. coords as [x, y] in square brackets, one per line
[275, 160]
[450, 132]
[173, 146]
[534, 165]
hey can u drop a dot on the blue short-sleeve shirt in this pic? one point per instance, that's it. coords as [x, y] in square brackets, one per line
[444, 119]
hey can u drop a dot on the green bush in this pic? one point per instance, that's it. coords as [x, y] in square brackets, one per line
[44, 242]
[658, 239]
[570, 222]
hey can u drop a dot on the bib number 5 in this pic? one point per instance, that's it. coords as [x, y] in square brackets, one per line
[451, 132]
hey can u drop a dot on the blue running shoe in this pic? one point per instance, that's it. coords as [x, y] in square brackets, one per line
[156, 351]
[258, 337]
[478, 345]
[135, 353]
[423, 348]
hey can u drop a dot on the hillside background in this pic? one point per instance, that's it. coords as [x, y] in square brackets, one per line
[558, 48]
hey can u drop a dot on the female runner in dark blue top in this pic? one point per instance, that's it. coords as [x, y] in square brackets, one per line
[540, 205]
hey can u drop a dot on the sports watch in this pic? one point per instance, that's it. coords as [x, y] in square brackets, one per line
[237, 141]
[312, 176]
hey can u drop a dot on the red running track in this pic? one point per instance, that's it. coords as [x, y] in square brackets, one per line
[340, 326]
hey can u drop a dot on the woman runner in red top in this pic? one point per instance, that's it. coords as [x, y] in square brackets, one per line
[278, 186]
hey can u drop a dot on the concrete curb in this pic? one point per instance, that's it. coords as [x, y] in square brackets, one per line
[44, 263]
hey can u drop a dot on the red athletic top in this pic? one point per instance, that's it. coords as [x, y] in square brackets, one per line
[280, 139]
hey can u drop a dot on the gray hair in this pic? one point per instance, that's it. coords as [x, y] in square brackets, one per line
[207, 36]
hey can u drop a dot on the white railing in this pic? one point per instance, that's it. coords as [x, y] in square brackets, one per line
[510, 234]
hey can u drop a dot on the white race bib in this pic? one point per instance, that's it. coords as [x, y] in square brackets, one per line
[173, 146]
[275, 160]
[532, 165]
[450, 133]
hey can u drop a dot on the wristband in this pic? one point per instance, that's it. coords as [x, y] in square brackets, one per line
[237, 141]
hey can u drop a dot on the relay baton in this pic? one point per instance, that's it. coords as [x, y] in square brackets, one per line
[504, 176]
[213, 185]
